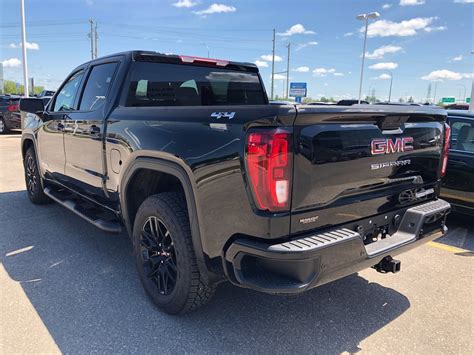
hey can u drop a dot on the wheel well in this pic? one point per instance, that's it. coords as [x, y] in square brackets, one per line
[27, 143]
[147, 182]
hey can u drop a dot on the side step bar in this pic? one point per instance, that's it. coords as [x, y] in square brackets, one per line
[107, 224]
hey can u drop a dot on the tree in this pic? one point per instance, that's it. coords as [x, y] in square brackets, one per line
[410, 100]
[307, 99]
[11, 88]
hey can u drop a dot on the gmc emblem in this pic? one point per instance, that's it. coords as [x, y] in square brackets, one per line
[390, 146]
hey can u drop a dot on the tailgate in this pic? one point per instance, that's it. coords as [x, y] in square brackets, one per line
[356, 162]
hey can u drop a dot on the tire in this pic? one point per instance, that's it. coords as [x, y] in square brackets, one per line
[164, 251]
[3, 127]
[34, 186]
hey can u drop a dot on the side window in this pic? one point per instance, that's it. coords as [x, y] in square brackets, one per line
[97, 86]
[67, 95]
[462, 136]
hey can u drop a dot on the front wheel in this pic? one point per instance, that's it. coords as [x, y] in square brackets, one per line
[165, 255]
[34, 186]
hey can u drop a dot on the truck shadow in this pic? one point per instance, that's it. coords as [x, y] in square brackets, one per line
[84, 286]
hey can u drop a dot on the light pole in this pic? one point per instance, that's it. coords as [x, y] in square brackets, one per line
[391, 82]
[23, 47]
[365, 17]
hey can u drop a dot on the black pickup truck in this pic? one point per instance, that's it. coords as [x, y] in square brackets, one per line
[213, 183]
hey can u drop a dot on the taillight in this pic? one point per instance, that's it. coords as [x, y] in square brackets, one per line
[444, 157]
[13, 107]
[269, 167]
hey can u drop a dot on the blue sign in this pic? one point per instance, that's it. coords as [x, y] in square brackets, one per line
[298, 89]
[298, 99]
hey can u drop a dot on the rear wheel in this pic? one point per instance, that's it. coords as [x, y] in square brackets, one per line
[165, 255]
[33, 182]
[3, 126]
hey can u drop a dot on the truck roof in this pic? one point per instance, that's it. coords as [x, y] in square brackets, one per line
[144, 55]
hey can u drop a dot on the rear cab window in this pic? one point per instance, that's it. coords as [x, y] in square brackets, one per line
[165, 84]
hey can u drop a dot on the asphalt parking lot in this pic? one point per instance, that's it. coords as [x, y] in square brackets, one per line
[68, 287]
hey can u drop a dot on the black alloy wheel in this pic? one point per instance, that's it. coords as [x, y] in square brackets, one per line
[159, 255]
[31, 175]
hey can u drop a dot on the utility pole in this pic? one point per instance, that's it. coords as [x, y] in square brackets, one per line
[434, 96]
[288, 71]
[23, 47]
[96, 37]
[92, 37]
[273, 64]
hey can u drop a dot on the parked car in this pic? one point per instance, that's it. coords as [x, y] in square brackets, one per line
[213, 183]
[458, 106]
[458, 184]
[347, 102]
[9, 113]
[46, 93]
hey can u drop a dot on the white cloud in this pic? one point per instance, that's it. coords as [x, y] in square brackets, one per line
[338, 74]
[458, 58]
[301, 69]
[444, 74]
[384, 66]
[411, 2]
[380, 52]
[434, 29]
[382, 77]
[12, 63]
[323, 71]
[185, 3]
[261, 63]
[348, 34]
[386, 6]
[464, 1]
[384, 28]
[307, 44]
[268, 58]
[278, 77]
[297, 29]
[216, 9]
[29, 45]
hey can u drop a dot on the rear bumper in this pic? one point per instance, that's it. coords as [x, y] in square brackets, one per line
[309, 261]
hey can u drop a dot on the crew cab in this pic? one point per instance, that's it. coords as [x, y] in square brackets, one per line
[213, 183]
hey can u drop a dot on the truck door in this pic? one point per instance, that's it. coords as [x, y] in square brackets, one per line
[458, 184]
[83, 133]
[50, 135]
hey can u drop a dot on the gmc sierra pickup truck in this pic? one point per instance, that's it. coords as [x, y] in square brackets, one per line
[213, 183]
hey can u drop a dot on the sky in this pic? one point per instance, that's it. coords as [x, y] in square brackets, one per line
[418, 42]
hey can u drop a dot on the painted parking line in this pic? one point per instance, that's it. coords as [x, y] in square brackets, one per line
[448, 247]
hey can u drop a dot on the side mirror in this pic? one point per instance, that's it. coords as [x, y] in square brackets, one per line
[32, 105]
